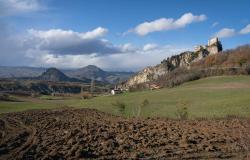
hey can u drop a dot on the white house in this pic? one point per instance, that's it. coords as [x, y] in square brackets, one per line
[116, 91]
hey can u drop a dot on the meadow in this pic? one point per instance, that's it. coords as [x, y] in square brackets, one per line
[212, 97]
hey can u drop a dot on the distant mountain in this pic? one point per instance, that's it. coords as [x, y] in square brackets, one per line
[93, 72]
[88, 72]
[117, 77]
[16, 72]
[55, 75]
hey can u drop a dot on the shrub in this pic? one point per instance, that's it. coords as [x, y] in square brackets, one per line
[144, 103]
[4, 97]
[120, 106]
[86, 95]
[182, 110]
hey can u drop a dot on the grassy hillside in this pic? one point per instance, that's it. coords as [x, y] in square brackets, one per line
[209, 97]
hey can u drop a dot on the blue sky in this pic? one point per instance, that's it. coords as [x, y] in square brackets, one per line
[115, 35]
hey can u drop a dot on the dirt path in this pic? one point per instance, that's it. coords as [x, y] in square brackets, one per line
[86, 133]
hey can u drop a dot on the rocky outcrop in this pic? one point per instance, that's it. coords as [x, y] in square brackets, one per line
[184, 59]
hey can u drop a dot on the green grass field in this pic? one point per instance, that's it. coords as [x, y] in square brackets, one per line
[209, 97]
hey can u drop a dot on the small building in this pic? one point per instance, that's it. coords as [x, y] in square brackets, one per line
[116, 91]
[213, 41]
[154, 86]
[199, 48]
[213, 47]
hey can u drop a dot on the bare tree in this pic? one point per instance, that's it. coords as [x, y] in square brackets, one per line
[92, 85]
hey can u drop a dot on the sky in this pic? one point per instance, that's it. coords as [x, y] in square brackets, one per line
[115, 35]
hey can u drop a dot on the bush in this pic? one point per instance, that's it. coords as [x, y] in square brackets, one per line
[144, 103]
[120, 106]
[87, 95]
[6, 97]
[182, 110]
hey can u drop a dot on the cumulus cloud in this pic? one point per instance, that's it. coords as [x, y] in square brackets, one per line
[149, 46]
[11, 51]
[164, 24]
[225, 32]
[58, 41]
[41, 49]
[128, 61]
[245, 30]
[127, 47]
[9, 7]
[96, 33]
[23, 52]
[229, 32]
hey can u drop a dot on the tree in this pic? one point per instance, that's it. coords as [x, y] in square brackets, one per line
[144, 103]
[182, 110]
[92, 86]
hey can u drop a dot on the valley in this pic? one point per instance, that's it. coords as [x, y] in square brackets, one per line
[194, 105]
[125, 80]
[214, 97]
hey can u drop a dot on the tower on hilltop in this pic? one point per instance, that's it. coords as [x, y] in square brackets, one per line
[214, 46]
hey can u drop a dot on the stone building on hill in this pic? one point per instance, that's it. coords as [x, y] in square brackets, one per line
[183, 59]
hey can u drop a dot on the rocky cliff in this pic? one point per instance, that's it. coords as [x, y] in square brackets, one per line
[184, 59]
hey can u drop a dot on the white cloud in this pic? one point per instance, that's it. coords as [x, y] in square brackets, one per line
[225, 32]
[149, 46]
[40, 48]
[215, 24]
[229, 32]
[58, 41]
[245, 30]
[167, 24]
[128, 61]
[96, 33]
[9, 7]
[68, 34]
[127, 47]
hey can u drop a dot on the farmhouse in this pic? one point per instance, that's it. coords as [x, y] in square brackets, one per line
[154, 86]
[116, 91]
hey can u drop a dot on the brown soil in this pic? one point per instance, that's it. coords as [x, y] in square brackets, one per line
[86, 133]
